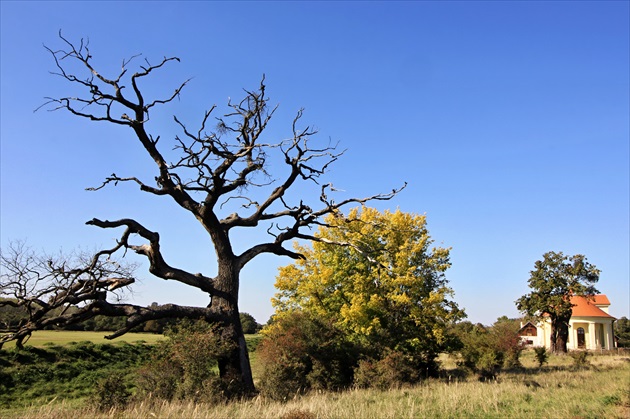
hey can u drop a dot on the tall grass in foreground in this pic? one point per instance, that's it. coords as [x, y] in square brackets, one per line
[602, 390]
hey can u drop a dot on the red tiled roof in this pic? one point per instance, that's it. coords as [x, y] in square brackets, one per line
[583, 307]
[601, 300]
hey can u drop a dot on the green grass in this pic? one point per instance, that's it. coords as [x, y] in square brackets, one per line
[66, 365]
[37, 376]
[63, 337]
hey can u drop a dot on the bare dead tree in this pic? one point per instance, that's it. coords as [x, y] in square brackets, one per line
[214, 169]
[56, 290]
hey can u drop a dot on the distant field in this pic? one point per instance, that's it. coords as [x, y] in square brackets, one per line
[64, 337]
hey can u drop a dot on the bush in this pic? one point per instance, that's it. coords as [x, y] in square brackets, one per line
[488, 350]
[392, 371]
[542, 356]
[111, 392]
[580, 359]
[159, 379]
[185, 366]
[299, 353]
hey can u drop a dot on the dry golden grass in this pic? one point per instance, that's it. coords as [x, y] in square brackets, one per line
[555, 391]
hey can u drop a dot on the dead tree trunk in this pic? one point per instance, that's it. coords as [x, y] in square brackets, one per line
[235, 367]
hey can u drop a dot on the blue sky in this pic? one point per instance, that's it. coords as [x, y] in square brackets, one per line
[509, 121]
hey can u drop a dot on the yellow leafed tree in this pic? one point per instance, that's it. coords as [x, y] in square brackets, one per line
[376, 276]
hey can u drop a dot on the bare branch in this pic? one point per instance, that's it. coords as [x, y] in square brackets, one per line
[152, 252]
[44, 287]
[137, 315]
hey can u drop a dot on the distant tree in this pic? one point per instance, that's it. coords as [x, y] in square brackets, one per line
[250, 326]
[386, 287]
[553, 281]
[622, 331]
[218, 173]
[11, 314]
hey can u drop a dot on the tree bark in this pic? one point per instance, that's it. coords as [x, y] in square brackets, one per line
[561, 340]
[559, 335]
[235, 367]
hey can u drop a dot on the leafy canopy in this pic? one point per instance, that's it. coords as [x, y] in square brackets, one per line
[553, 281]
[375, 276]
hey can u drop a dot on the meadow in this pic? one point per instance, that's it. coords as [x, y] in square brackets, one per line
[42, 338]
[558, 389]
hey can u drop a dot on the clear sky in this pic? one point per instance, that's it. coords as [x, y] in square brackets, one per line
[509, 121]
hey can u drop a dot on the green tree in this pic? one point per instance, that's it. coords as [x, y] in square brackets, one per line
[249, 323]
[622, 331]
[385, 287]
[553, 281]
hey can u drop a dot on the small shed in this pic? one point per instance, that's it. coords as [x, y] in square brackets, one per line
[529, 334]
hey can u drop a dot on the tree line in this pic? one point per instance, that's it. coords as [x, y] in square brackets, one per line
[13, 315]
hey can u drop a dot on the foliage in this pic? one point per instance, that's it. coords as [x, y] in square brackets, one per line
[580, 358]
[111, 392]
[553, 281]
[11, 315]
[385, 287]
[488, 350]
[508, 342]
[622, 331]
[393, 370]
[249, 324]
[185, 366]
[542, 356]
[300, 352]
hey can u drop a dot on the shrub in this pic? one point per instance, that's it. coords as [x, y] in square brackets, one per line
[185, 366]
[580, 358]
[111, 392]
[299, 352]
[394, 370]
[488, 350]
[159, 379]
[542, 356]
[505, 339]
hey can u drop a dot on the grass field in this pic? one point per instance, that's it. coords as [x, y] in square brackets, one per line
[63, 337]
[555, 391]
